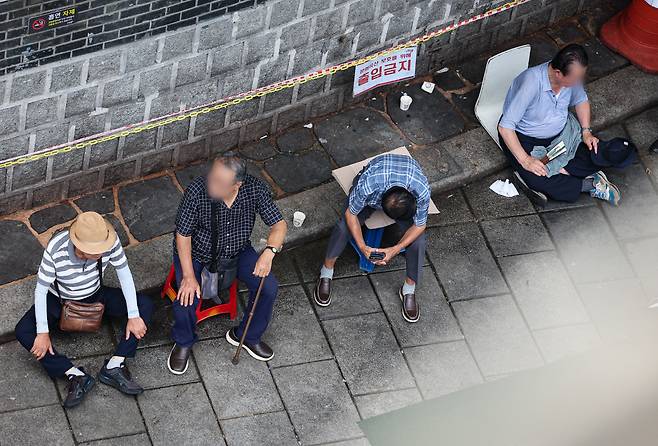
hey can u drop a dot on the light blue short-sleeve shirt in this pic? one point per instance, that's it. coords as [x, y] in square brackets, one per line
[532, 108]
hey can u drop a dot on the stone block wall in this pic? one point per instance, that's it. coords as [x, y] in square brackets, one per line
[69, 99]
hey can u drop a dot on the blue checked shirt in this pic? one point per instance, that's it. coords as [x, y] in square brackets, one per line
[533, 109]
[385, 172]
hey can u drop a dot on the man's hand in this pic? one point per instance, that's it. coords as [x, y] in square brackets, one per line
[389, 254]
[189, 288]
[135, 326]
[591, 141]
[367, 250]
[264, 264]
[42, 346]
[535, 166]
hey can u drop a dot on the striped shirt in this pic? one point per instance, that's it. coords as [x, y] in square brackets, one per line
[385, 172]
[77, 278]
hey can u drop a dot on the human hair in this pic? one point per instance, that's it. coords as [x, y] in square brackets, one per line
[567, 56]
[234, 162]
[398, 203]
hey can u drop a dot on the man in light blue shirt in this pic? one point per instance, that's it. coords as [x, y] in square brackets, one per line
[535, 113]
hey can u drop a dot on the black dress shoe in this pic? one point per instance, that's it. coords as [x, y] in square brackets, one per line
[77, 388]
[535, 197]
[410, 308]
[179, 359]
[120, 379]
[322, 292]
[260, 351]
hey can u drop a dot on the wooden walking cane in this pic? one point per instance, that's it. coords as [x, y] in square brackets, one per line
[236, 357]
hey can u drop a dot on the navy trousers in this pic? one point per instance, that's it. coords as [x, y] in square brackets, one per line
[115, 306]
[183, 331]
[559, 187]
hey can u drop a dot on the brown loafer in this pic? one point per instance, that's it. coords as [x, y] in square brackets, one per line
[179, 359]
[322, 292]
[410, 309]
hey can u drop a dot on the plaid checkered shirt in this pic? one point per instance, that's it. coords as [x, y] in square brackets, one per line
[385, 172]
[234, 224]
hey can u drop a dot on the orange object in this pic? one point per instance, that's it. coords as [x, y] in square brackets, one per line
[634, 34]
[230, 308]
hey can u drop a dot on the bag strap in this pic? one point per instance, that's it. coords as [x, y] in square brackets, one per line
[99, 265]
[213, 237]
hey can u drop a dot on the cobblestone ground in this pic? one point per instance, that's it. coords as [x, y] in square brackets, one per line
[506, 287]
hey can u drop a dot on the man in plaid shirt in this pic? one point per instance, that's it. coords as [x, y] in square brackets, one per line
[236, 198]
[396, 184]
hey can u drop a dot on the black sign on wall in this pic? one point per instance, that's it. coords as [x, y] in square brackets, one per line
[52, 20]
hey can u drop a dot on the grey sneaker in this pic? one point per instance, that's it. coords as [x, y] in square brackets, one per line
[604, 189]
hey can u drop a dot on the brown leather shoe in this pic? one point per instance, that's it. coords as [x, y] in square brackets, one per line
[410, 309]
[179, 359]
[322, 292]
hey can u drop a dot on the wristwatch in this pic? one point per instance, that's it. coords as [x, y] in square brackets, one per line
[586, 129]
[274, 249]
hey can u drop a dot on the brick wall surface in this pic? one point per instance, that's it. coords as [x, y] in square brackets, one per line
[68, 99]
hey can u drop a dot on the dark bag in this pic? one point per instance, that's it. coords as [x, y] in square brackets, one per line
[221, 273]
[79, 316]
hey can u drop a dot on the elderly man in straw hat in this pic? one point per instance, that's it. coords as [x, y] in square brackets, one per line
[72, 270]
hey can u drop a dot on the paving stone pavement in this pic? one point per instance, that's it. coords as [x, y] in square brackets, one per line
[506, 287]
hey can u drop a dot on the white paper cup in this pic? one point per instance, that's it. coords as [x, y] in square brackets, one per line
[298, 219]
[405, 102]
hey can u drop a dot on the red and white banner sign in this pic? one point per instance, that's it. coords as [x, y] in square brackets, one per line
[387, 69]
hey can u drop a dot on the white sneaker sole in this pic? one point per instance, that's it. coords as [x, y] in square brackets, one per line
[404, 315]
[187, 364]
[244, 346]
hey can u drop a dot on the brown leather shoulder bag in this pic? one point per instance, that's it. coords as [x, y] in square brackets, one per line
[79, 316]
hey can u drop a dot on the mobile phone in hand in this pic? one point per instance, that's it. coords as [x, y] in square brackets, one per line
[376, 256]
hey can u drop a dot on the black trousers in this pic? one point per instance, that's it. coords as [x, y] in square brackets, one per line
[559, 187]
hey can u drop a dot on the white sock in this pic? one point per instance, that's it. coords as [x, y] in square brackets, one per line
[408, 289]
[74, 371]
[326, 273]
[114, 362]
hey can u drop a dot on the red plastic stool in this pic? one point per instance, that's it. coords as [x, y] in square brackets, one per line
[230, 307]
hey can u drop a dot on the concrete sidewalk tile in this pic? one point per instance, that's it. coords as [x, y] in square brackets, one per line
[620, 94]
[463, 262]
[440, 369]
[284, 269]
[602, 60]
[643, 131]
[180, 415]
[475, 153]
[437, 165]
[23, 382]
[318, 402]
[294, 333]
[309, 259]
[587, 245]
[560, 342]
[637, 213]
[452, 209]
[517, 235]
[149, 369]
[18, 239]
[436, 321]
[349, 297]
[498, 337]
[294, 173]
[552, 205]
[130, 440]
[543, 290]
[77, 345]
[367, 354]
[89, 420]
[619, 310]
[643, 255]
[16, 299]
[381, 403]
[235, 391]
[487, 204]
[430, 118]
[357, 134]
[149, 207]
[53, 428]
[268, 428]
[355, 442]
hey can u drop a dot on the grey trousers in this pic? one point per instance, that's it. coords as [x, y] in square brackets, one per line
[414, 253]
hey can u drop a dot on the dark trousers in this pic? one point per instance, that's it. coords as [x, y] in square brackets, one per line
[559, 187]
[183, 331]
[115, 306]
[414, 253]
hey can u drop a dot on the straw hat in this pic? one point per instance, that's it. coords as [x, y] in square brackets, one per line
[92, 234]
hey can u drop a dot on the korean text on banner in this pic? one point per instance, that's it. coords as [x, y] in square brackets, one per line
[387, 69]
